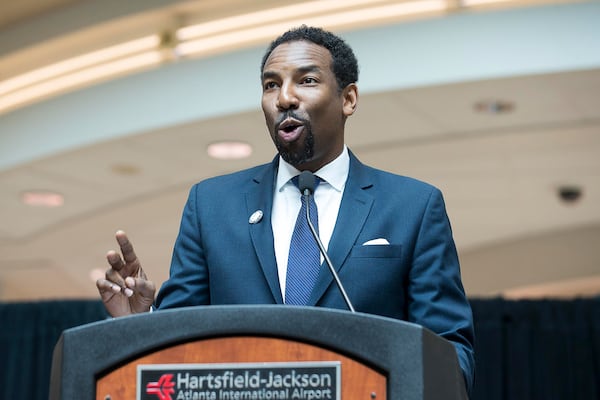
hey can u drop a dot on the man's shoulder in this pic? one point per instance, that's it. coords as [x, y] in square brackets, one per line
[238, 179]
[391, 181]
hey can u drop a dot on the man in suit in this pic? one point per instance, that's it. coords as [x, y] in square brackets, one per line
[388, 236]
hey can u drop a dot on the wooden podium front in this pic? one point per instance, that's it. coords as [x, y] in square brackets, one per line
[177, 354]
[357, 380]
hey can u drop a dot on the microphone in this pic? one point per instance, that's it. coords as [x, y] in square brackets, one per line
[306, 184]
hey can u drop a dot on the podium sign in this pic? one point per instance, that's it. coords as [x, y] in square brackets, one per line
[298, 380]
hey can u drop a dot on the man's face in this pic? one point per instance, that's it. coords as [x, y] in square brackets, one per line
[304, 109]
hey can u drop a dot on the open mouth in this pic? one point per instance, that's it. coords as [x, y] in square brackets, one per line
[290, 130]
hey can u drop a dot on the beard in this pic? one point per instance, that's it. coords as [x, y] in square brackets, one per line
[297, 155]
[299, 152]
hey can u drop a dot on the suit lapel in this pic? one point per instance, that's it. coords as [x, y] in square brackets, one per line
[260, 197]
[354, 209]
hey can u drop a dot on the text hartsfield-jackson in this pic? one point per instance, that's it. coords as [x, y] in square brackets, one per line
[253, 380]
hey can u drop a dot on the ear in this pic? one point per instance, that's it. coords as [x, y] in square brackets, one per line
[350, 99]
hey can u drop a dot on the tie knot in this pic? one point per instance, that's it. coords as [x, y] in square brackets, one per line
[296, 181]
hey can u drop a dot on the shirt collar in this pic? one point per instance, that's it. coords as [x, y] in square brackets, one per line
[335, 173]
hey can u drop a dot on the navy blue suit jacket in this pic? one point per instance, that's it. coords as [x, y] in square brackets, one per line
[221, 258]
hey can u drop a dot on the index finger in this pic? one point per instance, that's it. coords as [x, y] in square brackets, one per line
[131, 265]
[126, 247]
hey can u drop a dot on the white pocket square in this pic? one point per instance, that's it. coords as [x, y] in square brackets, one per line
[378, 241]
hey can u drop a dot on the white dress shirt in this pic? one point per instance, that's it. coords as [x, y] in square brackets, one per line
[287, 203]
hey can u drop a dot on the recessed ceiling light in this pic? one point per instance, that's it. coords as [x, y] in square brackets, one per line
[229, 150]
[42, 198]
[494, 106]
[125, 169]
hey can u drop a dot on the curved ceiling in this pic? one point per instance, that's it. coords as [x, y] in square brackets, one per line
[499, 107]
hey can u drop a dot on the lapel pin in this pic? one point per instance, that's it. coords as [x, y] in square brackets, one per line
[256, 217]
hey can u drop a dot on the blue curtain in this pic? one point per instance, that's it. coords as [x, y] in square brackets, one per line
[28, 333]
[524, 349]
[546, 350]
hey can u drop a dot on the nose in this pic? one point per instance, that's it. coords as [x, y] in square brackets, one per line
[287, 98]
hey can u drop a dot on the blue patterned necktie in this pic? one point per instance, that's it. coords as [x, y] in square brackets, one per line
[304, 258]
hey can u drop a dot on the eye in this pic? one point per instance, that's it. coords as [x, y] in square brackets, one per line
[269, 85]
[309, 80]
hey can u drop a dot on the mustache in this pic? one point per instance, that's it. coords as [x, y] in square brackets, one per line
[291, 115]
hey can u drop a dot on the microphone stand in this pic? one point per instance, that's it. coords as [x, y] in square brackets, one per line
[306, 194]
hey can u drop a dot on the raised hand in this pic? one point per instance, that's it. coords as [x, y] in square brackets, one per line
[125, 289]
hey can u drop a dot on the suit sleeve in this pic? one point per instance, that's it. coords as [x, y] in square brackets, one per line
[436, 296]
[188, 283]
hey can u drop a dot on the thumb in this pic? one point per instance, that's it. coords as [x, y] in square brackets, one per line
[141, 293]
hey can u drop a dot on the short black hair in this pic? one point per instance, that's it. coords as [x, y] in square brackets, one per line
[345, 65]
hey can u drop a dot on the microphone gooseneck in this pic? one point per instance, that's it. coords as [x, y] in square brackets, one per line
[306, 184]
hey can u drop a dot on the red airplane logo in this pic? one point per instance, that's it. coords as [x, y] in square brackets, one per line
[163, 388]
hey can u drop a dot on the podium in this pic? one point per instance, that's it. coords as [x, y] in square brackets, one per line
[254, 352]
